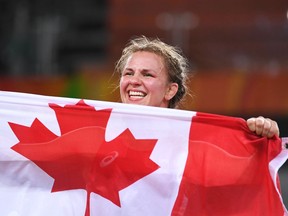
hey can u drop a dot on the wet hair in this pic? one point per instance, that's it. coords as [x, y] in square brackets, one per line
[175, 63]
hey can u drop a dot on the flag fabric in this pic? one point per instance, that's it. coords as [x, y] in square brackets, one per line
[80, 157]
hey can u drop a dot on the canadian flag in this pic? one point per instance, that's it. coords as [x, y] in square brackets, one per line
[68, 156]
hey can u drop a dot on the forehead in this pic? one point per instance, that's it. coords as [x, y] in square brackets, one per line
[145, 60]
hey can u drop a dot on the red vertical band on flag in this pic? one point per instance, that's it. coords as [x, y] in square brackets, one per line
[226, 172]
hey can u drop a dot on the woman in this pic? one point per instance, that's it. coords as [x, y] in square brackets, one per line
[154, 74]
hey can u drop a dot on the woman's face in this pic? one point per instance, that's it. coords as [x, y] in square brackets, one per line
[144, 81]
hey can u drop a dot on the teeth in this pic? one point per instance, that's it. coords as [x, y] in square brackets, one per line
[136, 93]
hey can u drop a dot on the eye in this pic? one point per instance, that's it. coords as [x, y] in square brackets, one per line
[147, 74]
[127, 73]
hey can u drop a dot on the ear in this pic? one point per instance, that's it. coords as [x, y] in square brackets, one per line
[171, 92]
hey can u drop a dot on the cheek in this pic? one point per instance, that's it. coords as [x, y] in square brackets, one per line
[159, 88]
[122, 84]
[122, 90]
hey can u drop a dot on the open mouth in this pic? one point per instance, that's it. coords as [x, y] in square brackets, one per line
[136, 94]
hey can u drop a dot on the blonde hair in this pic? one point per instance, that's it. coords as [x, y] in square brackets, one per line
[175, 63]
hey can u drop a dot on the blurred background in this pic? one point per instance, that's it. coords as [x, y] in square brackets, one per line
[238, 50]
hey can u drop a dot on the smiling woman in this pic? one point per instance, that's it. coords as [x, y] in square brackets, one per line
[154, 73]
[144, 81]
[154, 60]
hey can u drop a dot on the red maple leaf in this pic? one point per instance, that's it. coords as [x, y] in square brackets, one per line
[80, 158]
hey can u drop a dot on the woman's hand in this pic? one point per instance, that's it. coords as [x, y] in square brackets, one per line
[263, 126]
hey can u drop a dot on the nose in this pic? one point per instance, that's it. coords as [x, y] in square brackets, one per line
[135, 80]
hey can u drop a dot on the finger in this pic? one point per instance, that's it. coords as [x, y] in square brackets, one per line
[259, 124]
[251, 122]
[274, 130]
[266, 129]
